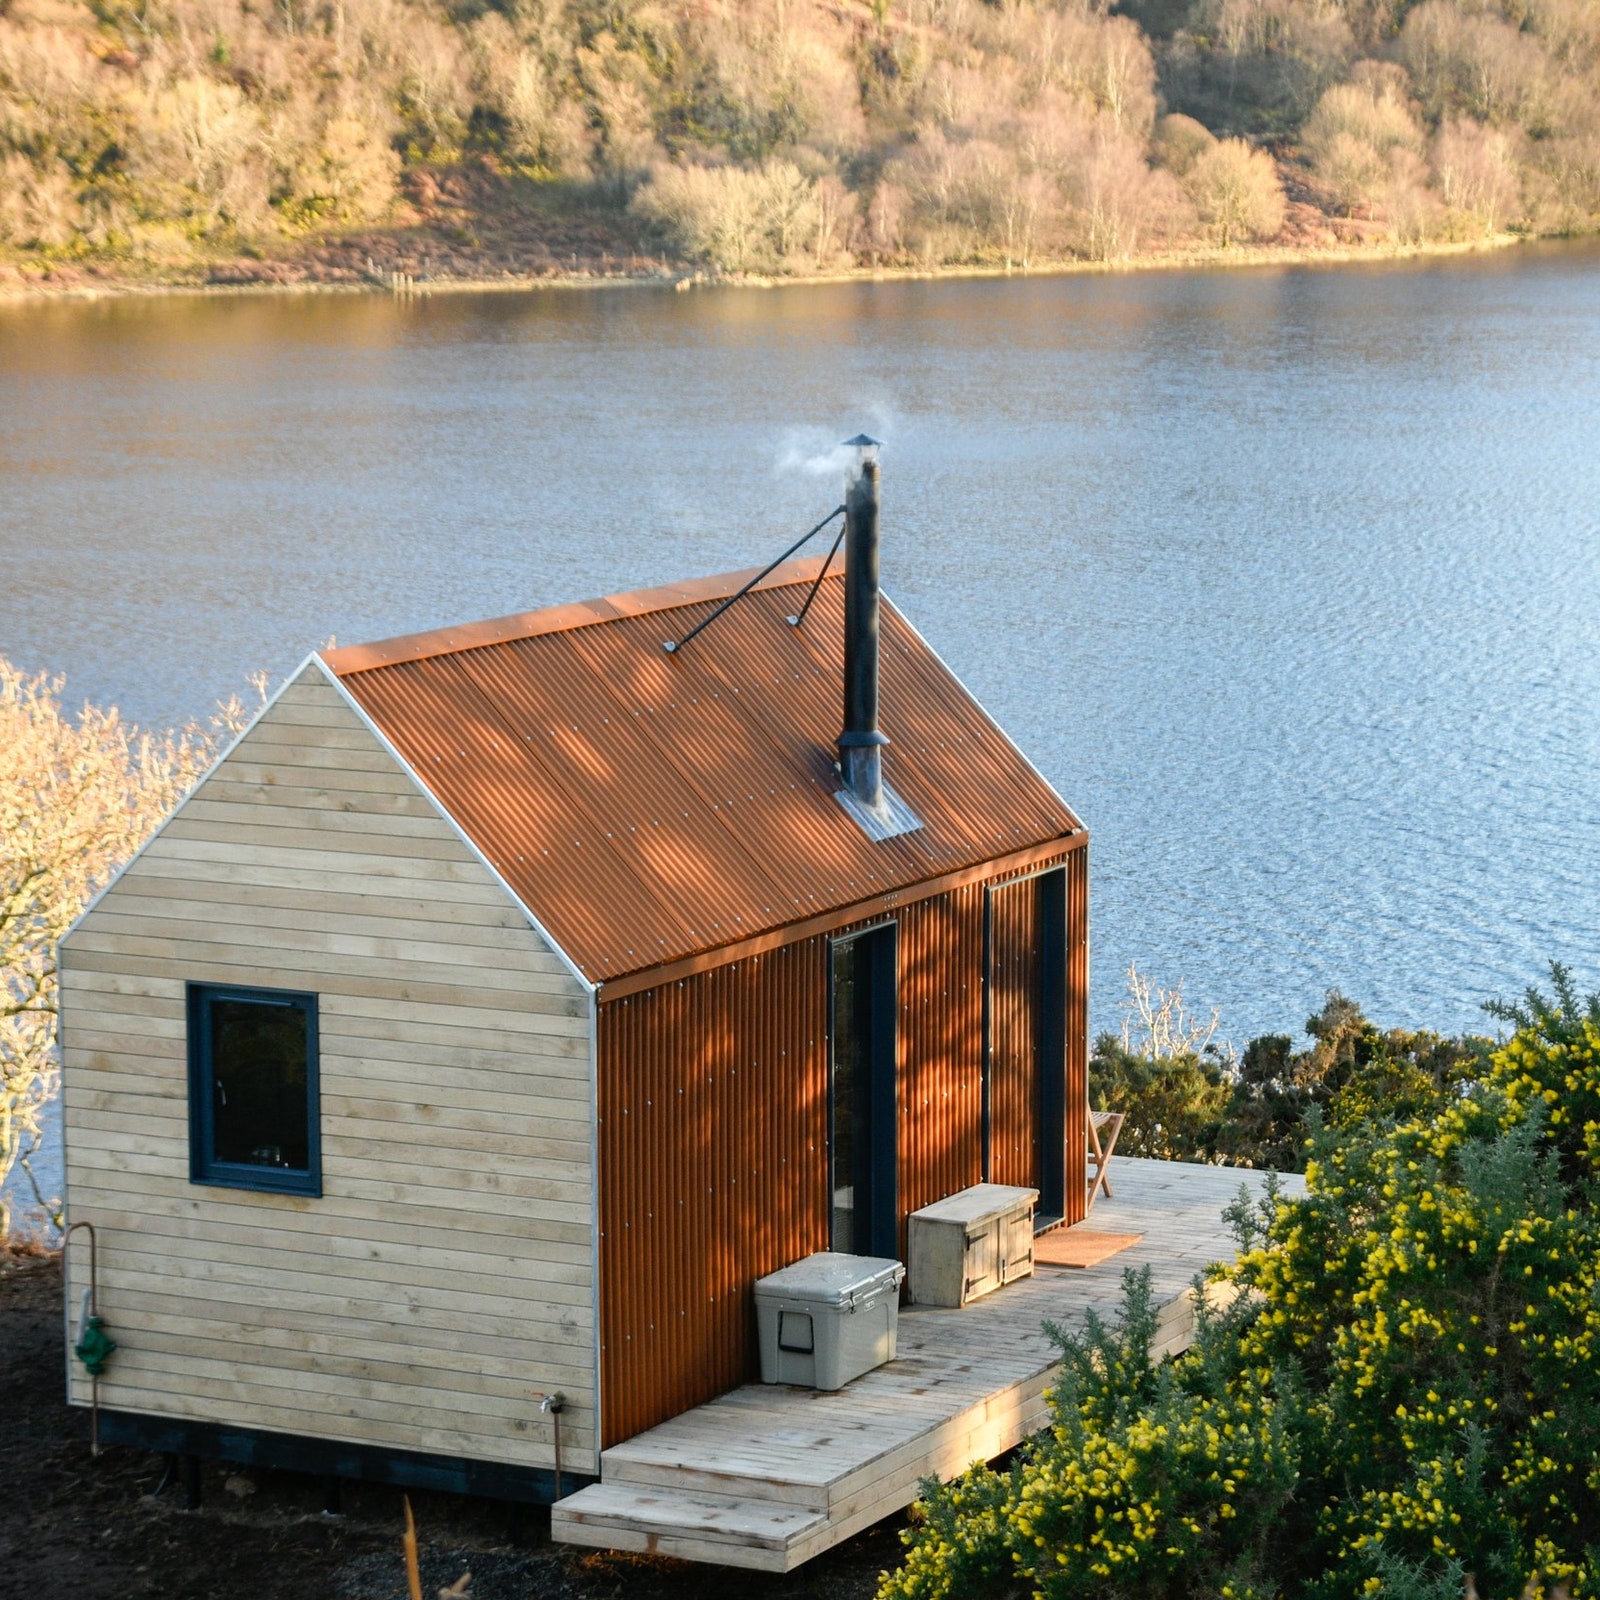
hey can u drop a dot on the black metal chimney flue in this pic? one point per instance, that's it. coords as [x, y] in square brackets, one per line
[861, 743]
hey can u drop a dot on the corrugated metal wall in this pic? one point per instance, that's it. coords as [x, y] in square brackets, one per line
[713, 1136]
[713, 1133]
[941, 1048]
[1014, 1067]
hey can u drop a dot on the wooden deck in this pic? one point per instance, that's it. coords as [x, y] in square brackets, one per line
[768, 1477]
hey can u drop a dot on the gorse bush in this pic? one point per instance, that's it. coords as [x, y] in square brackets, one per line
[1153, 1481]
[1404, 1397]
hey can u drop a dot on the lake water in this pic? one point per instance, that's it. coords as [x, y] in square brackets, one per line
[1288, 579]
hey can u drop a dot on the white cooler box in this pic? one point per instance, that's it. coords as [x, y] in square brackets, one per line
[827, 1319]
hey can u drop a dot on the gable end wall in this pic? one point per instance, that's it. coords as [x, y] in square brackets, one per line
[446, 1276]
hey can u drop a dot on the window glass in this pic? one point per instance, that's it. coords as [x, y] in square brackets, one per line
[862, 1155]
[258, 1084]
[847, 1070]
[253, 1089]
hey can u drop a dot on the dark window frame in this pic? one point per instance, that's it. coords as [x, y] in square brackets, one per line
[204, 1168]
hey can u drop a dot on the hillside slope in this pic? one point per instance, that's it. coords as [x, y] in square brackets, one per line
[281, 139]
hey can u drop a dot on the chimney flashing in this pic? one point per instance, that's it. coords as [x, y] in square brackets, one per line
[891, 820]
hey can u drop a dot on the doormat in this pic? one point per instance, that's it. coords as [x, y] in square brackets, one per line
[1079, 1247]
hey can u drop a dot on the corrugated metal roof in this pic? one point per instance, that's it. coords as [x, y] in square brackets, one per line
[648, 807]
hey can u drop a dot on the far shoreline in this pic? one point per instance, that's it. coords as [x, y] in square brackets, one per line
[399, 286]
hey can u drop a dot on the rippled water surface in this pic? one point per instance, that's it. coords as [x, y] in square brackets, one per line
[1289, 580]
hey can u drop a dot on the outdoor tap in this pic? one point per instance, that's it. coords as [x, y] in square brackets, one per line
[552, 1405]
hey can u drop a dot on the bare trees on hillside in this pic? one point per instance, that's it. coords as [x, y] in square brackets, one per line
[791, 135]
[1237, 193]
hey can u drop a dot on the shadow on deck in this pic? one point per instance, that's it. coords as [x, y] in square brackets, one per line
[768, 1477]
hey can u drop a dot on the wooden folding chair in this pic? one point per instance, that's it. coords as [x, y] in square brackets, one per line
[1104, 1128]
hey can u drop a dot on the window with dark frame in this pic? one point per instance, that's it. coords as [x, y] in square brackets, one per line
[253, 1104]
[862, 1091]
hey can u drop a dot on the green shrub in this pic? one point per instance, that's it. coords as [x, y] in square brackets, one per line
[1187, 1099]
[1175, 1105]
[1153, 1481]
[1405, 1396]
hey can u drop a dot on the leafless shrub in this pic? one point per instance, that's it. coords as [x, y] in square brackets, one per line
[1157, 1023]
[1364, 141]
[77, 798]
[1478, 174]
[1179, 141]
[736, 219]
[1236, 191]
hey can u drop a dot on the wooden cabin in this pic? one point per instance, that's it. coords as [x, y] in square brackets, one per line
[510, 998]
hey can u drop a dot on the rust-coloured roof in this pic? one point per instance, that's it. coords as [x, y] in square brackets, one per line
[649, 807]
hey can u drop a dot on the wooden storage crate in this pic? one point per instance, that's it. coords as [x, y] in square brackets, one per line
[971, 1243]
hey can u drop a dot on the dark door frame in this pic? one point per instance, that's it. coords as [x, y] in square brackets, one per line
[877, 1156]
[1050, 1035]
[1053, 1043]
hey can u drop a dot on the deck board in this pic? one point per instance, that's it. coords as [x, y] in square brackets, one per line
[769, 1476]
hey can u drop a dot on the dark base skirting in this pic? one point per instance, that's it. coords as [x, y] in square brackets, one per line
[287, 1452]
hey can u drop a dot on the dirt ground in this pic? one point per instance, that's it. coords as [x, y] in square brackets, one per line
[73, 1527]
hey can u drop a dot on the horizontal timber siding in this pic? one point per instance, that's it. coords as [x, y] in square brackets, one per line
[445, 1276]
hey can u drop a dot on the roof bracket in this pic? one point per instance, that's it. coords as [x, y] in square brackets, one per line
[672, 646]
[796, 620]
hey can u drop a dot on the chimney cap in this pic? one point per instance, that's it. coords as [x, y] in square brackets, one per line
[863, 441]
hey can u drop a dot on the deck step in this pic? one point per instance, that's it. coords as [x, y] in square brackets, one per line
[768, 1476]
[726, 1529]
[684, 1455]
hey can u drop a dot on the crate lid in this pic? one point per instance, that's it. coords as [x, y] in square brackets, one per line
[979, 1203]
[831, 1278]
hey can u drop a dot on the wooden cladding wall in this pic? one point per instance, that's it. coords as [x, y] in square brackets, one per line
[713, 1127]
[445, 1275]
